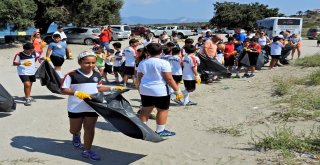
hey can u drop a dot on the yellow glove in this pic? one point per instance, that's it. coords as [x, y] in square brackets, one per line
[118, 88]
[70, 56]
[82, 95]
[47, 59]
[179, 95]
[27, 63]
[198, 79]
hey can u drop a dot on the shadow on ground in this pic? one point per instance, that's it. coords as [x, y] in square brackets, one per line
[64, 148]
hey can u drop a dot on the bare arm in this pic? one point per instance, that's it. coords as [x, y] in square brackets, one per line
[140, 75]
[48, 52]
[168, 77]
[104, 88]
[195, 72]
[68, 91]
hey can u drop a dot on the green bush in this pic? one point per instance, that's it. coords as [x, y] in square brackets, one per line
[308, 61]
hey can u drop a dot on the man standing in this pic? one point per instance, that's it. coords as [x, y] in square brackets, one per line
[105, 37]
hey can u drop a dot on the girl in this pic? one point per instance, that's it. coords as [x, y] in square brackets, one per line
[276, 47]
[79, 84]
[38, 44]
[101, 56]
[296, 43]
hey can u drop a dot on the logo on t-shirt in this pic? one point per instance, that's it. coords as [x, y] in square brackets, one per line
[95, 79]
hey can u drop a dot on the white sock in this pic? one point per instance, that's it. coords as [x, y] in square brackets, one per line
[160, 128]
[185, 96]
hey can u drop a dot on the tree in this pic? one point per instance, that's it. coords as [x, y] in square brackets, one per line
[232, 14]
[300, 13]
[79, 12]
[19, 13]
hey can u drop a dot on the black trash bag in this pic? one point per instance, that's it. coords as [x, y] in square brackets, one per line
[49, 77]
[261, 60]
[212, 66]
[114, 108]
[7, 103]
[245, 60]
[285, 52]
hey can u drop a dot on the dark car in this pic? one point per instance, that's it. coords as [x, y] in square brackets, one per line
[140, 31]
[313, 33]
[78, 35]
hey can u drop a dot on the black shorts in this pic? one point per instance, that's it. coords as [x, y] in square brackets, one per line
[129, 70]
[82, 114]
[107, 69]
[25, 78]
[116, 68]
[161, 102]
[253, 59]
[190, 85]
[177, 78]
[275, 57]
[318, 42]
[56, 60]
[229, 61]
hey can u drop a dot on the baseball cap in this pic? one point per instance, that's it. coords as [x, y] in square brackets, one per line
[28, 46]
[280, 36]
[85, 54]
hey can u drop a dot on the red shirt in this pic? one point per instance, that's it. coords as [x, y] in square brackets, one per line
[105, 36]
[257, 47]
[229, 49]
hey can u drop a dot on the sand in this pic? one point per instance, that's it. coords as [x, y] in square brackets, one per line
[39, 134]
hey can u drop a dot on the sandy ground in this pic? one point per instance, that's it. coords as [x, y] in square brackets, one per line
[39, 134]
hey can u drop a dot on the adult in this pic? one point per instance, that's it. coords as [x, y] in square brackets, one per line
[263, 40]
[105, 37]
[205, 30]
[63, 37]
[210, 47]
[295, 40]
[240, 37]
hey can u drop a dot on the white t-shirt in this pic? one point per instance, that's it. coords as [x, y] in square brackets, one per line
[165, 57]
[220, 57]
[109, 60]
[262, 41]
[188, 63]
[78, 81]
[130, 55]
[276, 48]
[145, 42]
[62, 34]
[175, 62]
[21, 58]
[118, 59]
[152, 82]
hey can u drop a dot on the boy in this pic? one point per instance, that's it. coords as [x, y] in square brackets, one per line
[56, 52]
[118, 60]
[229, 55]
[130, 54]
[166, 53]
[176, 61]
[253, 52]
[190, 75]
[98, 50]
[25, 62]
[108, 64]
[154, 76]
[187, 42]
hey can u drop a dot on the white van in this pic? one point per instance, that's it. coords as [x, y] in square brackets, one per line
[125, 29]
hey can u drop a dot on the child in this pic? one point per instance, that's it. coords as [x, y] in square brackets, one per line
[253, 52]
[199, 45]
[118, 60]
[25, 62]
[38, 44]
[101, 56]
[108, 64]
[130, 54]
[166, 53]
[276, 47]
[56, 52]
[154, 76]
[244, 51]
[220, 56]
[318, 40]
[229, 55]
[176, 69]
[187, 42]
[190, 75]
[80, 84]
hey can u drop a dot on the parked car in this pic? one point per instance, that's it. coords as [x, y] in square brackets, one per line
[140, 31]
[313, 33]
[119, 34]
[124, 28]
[182, 33]
[78, 35]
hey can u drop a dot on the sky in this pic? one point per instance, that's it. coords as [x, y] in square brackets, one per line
[171, 9]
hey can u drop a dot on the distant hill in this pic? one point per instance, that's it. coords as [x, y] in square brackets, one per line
[142, 20]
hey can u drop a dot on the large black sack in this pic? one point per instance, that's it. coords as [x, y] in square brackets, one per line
[285, 52]
[245, 60]
[7, 103]
[261, 60]
[213, 66]
[114, 108]
[49, 77]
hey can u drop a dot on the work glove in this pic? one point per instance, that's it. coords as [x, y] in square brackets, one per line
[70, 56]
[118, 88]
[178, 94]
[82, 95]
[47, 59]
[198, 79]
[27, 63]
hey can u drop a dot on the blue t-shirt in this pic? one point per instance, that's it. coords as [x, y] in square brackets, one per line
[239, 37]
[58, 49]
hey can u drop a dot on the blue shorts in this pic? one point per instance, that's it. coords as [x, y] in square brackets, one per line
[105, 45]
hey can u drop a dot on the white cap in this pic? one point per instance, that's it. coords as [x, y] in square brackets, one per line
[280, 36]
[85, 54]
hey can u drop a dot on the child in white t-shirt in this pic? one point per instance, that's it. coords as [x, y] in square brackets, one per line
[154, 76]
[190, 74]
[118, 60]
[108, 64]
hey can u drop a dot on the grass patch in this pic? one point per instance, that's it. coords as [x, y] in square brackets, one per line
[233, 131]
[24, 161]
[282, 87]
[284, 139]
[314, 78]
[308, 61]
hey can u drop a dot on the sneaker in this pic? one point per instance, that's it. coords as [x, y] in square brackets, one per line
[251, 75]
[165, 133]
[178, 101]
[28, 101]
[76, 141]
[89, 154]
[246, 75]
[191, 103]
